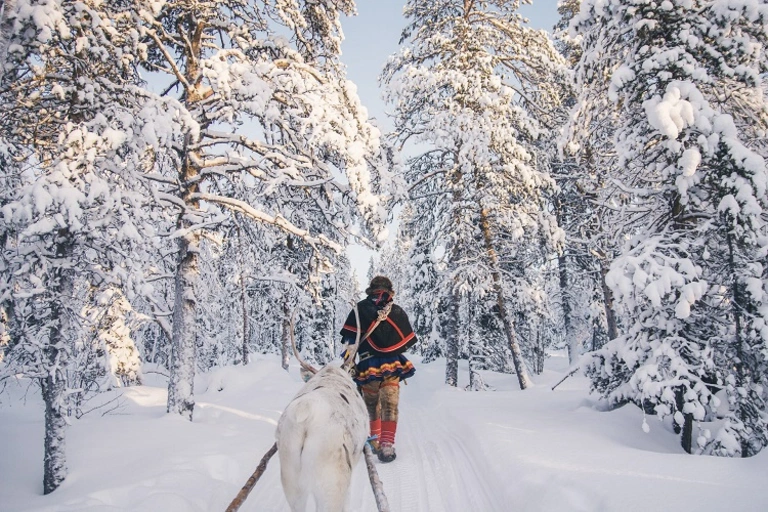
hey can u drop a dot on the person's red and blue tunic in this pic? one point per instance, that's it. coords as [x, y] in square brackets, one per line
[382, 364]
[381, 354]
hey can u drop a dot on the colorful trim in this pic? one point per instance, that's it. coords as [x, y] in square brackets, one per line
[394, 347]
[385, 370]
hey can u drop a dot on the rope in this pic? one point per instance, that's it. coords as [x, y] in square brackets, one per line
[382, 314]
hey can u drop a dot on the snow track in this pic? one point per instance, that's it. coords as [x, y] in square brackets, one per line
[495, 451]
[434, 469]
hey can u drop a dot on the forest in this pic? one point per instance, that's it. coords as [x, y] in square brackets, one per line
[179, 179]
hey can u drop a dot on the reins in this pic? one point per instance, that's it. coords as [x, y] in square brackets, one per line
[382, 314]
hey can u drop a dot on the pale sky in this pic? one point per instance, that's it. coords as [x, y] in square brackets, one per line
[370, 38]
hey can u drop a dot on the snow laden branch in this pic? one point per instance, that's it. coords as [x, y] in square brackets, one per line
[279, 221]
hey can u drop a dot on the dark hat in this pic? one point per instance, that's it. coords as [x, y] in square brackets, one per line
[380, 283]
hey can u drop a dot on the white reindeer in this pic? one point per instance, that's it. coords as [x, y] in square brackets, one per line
[321, 436]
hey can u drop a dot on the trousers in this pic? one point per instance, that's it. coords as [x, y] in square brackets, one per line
[381, 398]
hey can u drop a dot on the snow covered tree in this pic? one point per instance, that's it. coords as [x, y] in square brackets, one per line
[587, 201]
[469, 83]
[109, 317]
[275, 133]
[393, 264]
[78, 207]
[422, 282]
[692, 280]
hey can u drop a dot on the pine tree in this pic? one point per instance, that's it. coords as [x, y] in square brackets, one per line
[78, 207]
[469, 83]
[109, 316]
[422, 282]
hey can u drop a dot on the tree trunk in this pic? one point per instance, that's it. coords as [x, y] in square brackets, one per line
[517, 356]
[6, 29]
[54, 396]
[573, 343]
[244, 305]
[53, 385]
[738, 305]
[183, 363]
[565, 296]
[54, 456]
[594, 338]
[610, 316]
[184, 333]
[686, 430]
[540, 355]
[475, 381]
[451, 337]
[243, 295]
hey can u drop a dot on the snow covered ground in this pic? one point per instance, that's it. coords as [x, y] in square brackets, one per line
[503, 450]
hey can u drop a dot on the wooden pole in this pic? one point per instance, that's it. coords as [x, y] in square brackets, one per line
[248, 487]
[376, 485]
[572, 372]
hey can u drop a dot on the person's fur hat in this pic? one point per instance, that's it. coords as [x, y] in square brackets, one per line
[380, 283]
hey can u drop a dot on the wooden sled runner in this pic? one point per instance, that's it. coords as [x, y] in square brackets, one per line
[373, 475]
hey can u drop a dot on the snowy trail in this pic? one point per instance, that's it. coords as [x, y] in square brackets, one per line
[458, 451]
[435, 469]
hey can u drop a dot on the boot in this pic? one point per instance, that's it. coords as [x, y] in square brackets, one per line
[387, 441]
[387, 452]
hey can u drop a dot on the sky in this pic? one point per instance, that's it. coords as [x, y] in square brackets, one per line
[369, 39]
[536, 450]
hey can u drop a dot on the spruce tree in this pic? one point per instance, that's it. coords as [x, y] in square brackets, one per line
[689, 281]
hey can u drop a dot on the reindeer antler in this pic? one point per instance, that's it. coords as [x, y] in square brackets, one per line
[352, 351]
[305, 365]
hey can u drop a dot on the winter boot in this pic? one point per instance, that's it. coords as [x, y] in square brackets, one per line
[375, 435]
[387, 441]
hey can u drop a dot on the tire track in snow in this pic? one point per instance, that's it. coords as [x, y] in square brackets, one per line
[435, 470]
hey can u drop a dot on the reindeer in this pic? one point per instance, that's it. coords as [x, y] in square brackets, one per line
[321, 436]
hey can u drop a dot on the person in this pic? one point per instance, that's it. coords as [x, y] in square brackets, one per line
[381, 364]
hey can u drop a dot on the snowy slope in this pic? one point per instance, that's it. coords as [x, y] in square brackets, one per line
[538, 450]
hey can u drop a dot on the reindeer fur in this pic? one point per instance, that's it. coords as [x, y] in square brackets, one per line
[320, 438]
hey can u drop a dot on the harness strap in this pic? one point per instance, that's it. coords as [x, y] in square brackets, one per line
[381, 315]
